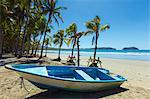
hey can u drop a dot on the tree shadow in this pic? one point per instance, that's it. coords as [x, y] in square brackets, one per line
[5, 56]
[81, 95]
[31, 61]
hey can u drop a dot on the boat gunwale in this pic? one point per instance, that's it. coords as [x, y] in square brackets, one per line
[71, 80]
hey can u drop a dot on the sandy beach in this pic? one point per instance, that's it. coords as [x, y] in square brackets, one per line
[137, 86]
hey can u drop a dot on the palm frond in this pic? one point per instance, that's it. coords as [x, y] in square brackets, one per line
[89, 32]
[89, 25]
[60, 8]
[67, 41]
[59, 16]
[104, 27]
[71, 30]
[56, 41]
[56, 20]
[93, 40]
[59, 38]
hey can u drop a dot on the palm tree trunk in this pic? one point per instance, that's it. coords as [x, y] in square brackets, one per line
[29, 44]
[60, 49]
[78, 47]
[1, 42]
[41, 36]
[22, 44]
[35, 50]
[46, 51]
[43, 45]
[23, 41]
[33, 46]
[59, 52]
[32, 49]
[73, 48]
[17, 42]
[50, 15]
[38, 45]
[16, 45]
[96, 45]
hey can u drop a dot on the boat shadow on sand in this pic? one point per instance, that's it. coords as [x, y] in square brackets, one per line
[70, 94]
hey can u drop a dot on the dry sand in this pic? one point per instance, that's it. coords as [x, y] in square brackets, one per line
[137, 86]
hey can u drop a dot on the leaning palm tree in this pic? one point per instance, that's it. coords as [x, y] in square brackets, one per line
[59, 39]
[50, 8]
[40, 27]
[72, 32]
[94, 26]
[78, 36]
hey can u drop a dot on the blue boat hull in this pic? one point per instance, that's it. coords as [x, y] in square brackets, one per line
[68, 78]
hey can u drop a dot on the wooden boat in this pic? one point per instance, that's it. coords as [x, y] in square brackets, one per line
[68, 78]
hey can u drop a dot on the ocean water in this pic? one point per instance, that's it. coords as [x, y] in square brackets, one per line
[114, 54]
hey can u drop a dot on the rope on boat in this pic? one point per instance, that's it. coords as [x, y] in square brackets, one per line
[23, 85]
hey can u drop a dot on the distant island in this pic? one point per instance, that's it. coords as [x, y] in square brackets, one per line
[106, 48]
[130, 48]
[101, 48]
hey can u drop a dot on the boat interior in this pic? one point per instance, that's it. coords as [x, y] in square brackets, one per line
[70, 73]
[88, 74]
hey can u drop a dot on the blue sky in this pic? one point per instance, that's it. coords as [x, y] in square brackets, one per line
[128, 19]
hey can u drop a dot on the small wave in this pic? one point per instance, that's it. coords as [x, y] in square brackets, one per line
[104, 53]
[127, 53]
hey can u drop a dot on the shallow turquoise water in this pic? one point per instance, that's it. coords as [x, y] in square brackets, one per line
[115, 54]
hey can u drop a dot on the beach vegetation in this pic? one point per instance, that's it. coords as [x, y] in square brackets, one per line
[25, 26]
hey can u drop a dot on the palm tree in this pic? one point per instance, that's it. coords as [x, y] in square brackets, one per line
[50, 8]
[41, 27]
[34, 42]
[26, 11]
[36, 46]
[75, 38]
[78, 36]
[16, 14]
[59, 38]
[1, 42]
[19, 20]
[48, 41]
[5, 20]
[72, 31]
[94, 26]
